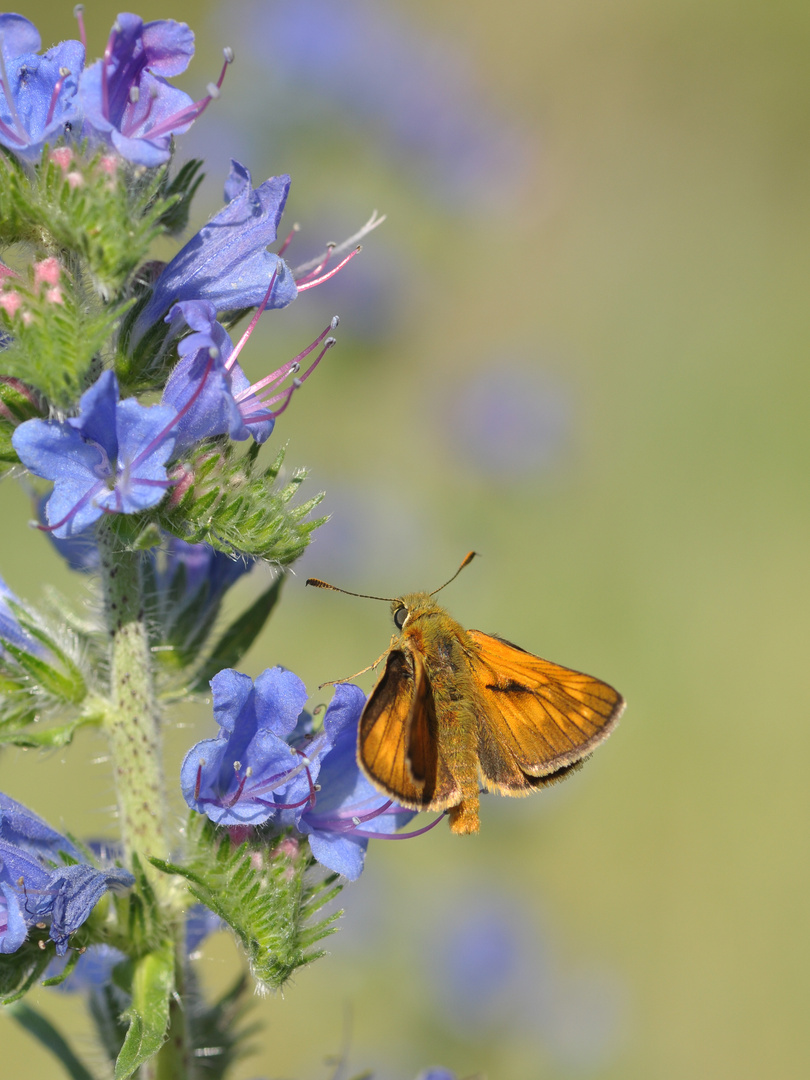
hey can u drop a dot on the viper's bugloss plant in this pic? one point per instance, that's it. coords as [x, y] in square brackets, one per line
[158, 476]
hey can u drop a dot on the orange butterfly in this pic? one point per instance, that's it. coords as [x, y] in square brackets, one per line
[456, 709]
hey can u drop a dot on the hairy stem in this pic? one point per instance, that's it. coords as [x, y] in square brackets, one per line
[133, 725]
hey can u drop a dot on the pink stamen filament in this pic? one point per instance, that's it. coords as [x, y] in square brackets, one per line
[305, 283]
[191, 112]
[78, 13]
[57, 90]
[243, 340]
[400, 835]
[277, 376]
[287, 242]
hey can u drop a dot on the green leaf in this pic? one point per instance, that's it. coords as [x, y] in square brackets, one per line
[51, 1038]
[148, 1015]
[51, 738]
[239, 636]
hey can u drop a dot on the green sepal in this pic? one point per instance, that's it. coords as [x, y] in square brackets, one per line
[21, 969]
[152, 984]
[49, 1037]
[178, 194]
[239, 636]
[267, 891]
[234, 506]
[67, 970]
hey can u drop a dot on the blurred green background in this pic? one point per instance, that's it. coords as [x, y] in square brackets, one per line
[579, 346]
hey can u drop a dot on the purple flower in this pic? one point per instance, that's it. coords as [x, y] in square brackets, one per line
[208, 374]
[38, 100]
[111, 457]
[227, 262]
[250, 773]
[36, 887]
[128, 104]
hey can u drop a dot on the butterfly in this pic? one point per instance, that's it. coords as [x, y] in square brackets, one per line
[456, 710]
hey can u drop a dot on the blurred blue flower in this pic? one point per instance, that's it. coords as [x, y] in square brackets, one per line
[507, 420]
[36, 886]
[111, 457]
[489, 968]
[38, 100]
[418, 96]
[227, 262]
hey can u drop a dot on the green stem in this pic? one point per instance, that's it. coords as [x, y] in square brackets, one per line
[133, 724]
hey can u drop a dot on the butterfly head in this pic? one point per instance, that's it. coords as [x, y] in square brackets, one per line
[407, 609]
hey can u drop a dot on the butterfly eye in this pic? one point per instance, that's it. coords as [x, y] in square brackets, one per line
[400, 615]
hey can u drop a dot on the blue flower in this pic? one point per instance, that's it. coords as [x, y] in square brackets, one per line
[209, 376]
[72, 893]
[38, 100]
[36, 887]
[128, 104]
[269, 764]
[250, 773]
[204, 356]
[227, 262]
[111, 457]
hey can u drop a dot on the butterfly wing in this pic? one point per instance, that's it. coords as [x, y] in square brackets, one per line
[397, 744]
[541, 719]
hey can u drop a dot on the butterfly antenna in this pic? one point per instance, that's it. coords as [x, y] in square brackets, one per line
[363, 596]
[468, 558]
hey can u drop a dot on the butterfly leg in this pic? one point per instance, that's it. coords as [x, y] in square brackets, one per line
[348, 678]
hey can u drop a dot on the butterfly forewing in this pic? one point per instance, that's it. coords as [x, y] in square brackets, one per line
[397, 738]
[542, 716]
